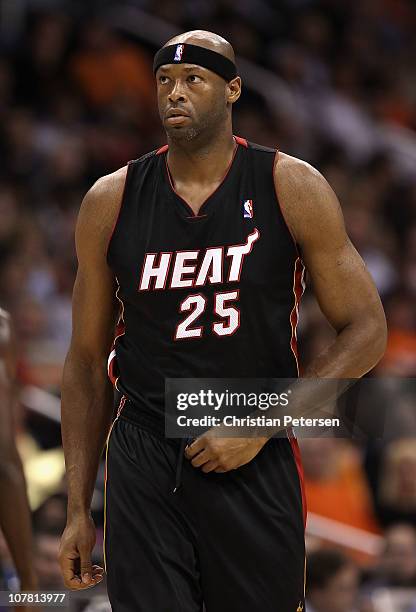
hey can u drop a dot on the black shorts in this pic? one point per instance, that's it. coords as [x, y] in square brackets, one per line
[233, 542]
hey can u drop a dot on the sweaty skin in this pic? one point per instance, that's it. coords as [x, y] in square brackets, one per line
[15, 520]
[201, 146]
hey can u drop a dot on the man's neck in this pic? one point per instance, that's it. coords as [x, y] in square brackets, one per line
[204, 163]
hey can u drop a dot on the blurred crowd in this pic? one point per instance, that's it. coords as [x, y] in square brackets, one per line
[77, 101]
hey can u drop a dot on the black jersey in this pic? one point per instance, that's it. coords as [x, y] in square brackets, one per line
[213, 295]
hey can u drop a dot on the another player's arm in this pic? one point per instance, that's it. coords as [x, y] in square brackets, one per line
[15, 520]
[343, 287]
[87, 394]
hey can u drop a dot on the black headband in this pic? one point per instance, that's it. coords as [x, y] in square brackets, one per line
[193, 54]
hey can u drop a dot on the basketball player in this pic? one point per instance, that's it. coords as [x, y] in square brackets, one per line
[204, 243]
[15, 521]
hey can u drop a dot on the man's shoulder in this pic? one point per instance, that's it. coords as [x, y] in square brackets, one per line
[100, 207]
[305, 197]
[109, 184]
[296, 172]
[289, 170]
[113, 183]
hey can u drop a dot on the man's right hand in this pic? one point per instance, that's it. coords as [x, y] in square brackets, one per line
[77, 543]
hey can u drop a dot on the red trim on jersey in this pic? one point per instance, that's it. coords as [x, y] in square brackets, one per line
[241, 141]
[119, 331]
[294, 315]
[298, 460]
[238, 139]
[120, 408]
[298, 288]
[276, 157]
[111, 374]
[121, 405]
[162, 149]
[193, 215]
[118, 213]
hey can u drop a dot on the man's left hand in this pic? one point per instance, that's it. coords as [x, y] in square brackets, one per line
[213, 453]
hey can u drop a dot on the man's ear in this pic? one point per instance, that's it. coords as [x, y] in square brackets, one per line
[233, 90]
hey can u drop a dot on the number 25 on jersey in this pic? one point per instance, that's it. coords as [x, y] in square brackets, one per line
[229, 315]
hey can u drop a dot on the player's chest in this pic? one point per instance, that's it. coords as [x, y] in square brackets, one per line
[227, 248]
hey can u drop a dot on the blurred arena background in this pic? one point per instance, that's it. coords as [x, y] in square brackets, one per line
[330, 81]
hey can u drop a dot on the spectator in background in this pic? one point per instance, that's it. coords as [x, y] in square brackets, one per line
[396, 565]
[335, 482]
[332, 582]
[396, 496]
[400, 356]
[39, 63]
[108, 69]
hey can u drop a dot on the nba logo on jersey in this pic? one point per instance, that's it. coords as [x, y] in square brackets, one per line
[178, 53]
[248, 209]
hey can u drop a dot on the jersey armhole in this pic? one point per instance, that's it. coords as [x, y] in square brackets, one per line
[275, 160]
[117, 217]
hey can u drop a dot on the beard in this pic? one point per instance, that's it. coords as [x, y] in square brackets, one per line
[202, 130]
[182, 134]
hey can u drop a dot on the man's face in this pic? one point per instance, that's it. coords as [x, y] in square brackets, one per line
[191, 100]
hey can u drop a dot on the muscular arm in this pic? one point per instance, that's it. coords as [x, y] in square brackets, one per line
[342, 285]
[15, 519]
[346, 295]
[87, 394]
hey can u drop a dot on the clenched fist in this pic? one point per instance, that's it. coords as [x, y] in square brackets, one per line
[77, 543]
